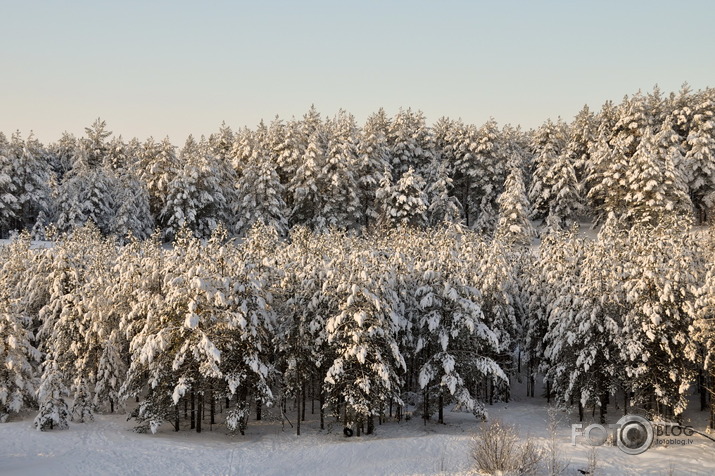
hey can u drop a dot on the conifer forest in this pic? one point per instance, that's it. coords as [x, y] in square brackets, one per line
[362, 267]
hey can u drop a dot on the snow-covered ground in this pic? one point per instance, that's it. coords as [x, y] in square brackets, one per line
[109, 446]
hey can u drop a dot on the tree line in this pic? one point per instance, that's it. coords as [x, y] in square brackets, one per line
[361, 324]
[631, 159]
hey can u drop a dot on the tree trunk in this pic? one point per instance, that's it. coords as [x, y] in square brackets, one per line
[441, 409]
[176, 417]
[297, 405]
[603, 409]
[370, 424]
[518, 362]
[302, 402]
[200, 412]
[425, 405]
[259, 409]
[212, 408]
[322, 410]
[702, 389]
[193, 410]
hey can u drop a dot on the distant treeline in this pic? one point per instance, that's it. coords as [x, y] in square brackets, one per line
[649, 155]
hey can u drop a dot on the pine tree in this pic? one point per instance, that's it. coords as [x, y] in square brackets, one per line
[514, 226]
[699, 160]
[372, 159]
[260, 194]
[30, 176]
[365, 372]
[18, 354]
[339, 186]
[443, 207]
[8, 191]
[555, 190]
[156, 166]
[411, 143]
[404, 202]
[655, 189]
[303, 188]
[661, 279]
[201, 195]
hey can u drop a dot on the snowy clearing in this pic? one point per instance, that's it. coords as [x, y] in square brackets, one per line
[109, 446]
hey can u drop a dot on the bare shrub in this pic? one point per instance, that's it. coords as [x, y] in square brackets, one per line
[496, 450]
[555, 465]
[592, 461]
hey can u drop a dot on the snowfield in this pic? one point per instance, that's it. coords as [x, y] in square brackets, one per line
[109, 446]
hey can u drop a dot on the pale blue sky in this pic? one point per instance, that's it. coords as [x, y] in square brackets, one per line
[179, 67]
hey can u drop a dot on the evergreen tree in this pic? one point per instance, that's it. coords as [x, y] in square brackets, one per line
[514, 226]
[201, 194]
[372, 159]
[443, 207]
[18, 355]
[339, 186]
[699, 160]
[555, 190]
[260, 195]
[404, 202]
[411, 143]
[655, 189]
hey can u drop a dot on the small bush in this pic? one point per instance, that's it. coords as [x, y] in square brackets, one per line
[497, 450]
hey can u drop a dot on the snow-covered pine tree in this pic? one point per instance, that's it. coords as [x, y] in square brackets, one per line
[514, 227]
[443, 207]
[404, 202]
[661, 277]
[411, 143]
[372, 158]
[702, 346]
[607, 179]
[66, 326]
[303, 187]
[699, 160]
[554, 189]
[95, 144]
[338, 182]
[19, 358]
[133, 216]
[61, 155]
[552, 276]
[584, 308]
[30, 176]
[8, 190]
[656, 190]
[301, 343]
[479, 173]
[365, 373]
[581, 137]
[221, 143]
[204, 332]
[86, 195]
[156, 166]
[200, 195]
[454, 344]
[260, 192]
